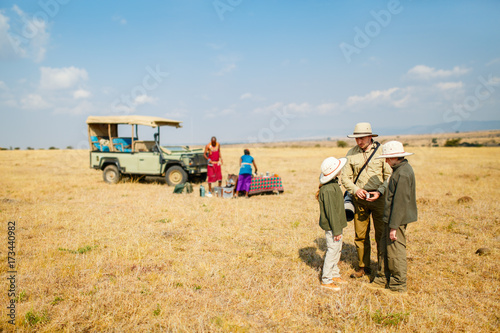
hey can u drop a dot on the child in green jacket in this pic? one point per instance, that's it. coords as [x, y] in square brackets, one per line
[332, 219]
[400, 210]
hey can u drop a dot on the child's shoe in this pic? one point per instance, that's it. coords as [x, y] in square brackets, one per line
[331, 286]
[338, 280]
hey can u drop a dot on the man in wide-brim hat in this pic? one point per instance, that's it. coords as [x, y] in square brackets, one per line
[400, 209]
[367, 192]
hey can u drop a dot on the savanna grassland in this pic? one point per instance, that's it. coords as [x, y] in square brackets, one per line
[136, 257]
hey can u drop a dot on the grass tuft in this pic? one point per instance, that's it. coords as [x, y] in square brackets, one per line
[21, 297]
[157, 311]
[81, 250]
[56, 300]
[33, 318]
[390, 319]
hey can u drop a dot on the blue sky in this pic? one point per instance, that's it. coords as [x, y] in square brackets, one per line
[245, 70]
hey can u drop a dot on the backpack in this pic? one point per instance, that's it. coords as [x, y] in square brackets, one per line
[183, 188]
[179, 188]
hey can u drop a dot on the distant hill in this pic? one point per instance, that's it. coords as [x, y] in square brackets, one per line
[465, 126]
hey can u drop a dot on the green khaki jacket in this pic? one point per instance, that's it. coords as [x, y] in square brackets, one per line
[373, 177]
[400, 200]
[331, 207]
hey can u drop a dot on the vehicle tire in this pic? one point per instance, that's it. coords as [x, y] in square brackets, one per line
[111, 174]
[176, 175]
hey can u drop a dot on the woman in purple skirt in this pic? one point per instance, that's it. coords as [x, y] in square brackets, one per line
[245, 177]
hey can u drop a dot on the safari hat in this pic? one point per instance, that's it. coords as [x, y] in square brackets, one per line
[330, 168]
[393, 149]
[361, 130]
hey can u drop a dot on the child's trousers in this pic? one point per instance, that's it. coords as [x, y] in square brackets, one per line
[332, 257]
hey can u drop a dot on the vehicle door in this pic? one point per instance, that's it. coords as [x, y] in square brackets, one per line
[149, 163]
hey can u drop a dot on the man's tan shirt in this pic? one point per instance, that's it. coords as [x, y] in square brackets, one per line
[373, 177]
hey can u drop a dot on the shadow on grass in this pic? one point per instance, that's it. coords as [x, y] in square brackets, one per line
[314, 258]
[310, 256]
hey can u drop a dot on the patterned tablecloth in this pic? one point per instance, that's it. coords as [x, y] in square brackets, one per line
[265, 184]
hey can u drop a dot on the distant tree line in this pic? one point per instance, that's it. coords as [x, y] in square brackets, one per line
[31, 148]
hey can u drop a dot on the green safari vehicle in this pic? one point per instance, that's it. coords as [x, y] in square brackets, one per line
[118, 155]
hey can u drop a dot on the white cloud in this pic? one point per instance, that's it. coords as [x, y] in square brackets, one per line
[494, 61]
[128, 108]
[494, 80]
[372, 96]
[215, 46]
[299, 108]
[7, 97]
[205, 97]
[6, 50]
[227, 111]
[61, 78]
[34, 102]
[392, 97]
[81, 93]
[251, 97]
[177, 113]
[119, 19]
[449, 85]
[327, 107]
[215, 112]
[246, 96]
[84, 107]
[269, 108]
[285, 62]
[226, 70]
[423, 72]
[296, 108]
[144, 99]
[122, 108]
[228, 64]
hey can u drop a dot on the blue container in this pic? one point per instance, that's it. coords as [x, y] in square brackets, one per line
[202, 191]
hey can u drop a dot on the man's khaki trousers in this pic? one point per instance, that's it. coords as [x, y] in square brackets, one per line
[363, 210]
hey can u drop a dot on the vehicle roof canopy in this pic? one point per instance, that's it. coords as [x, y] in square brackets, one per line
[133, 120]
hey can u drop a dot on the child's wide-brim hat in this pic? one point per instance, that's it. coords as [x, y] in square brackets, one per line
[361, 130]
[393, 149]
[330, 168]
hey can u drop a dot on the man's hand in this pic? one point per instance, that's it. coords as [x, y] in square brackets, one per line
[361, 194]
[373, 196]
[392, 234]
[337, 238]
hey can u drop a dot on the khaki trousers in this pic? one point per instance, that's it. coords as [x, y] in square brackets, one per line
[362, 212]
[391, 271]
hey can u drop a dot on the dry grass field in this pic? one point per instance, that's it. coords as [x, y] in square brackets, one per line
[136, 257]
